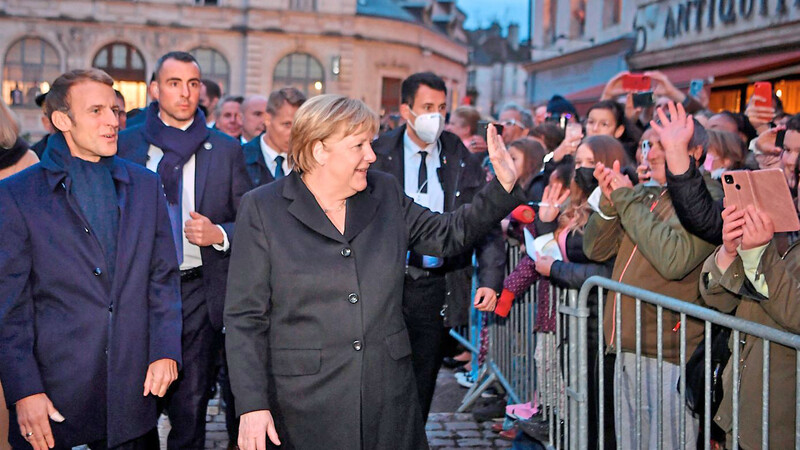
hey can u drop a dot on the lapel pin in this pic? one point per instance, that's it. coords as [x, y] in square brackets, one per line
[390, 158]
[207, 145]
[444, 159]
[463, 164]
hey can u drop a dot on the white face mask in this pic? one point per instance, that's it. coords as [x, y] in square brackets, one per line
[427, 126]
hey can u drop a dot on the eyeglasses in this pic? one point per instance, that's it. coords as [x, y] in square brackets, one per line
[512, 122]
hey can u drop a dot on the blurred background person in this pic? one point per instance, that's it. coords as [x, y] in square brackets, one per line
[254, 108]
[121, 114]
[210, 93]
[267, 157]
[229, 116]
[464, 124]
[516, 120]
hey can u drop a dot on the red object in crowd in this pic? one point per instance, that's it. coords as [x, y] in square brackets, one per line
[523, 214]
[504, 303]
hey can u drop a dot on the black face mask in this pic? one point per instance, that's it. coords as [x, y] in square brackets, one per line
[584, 178]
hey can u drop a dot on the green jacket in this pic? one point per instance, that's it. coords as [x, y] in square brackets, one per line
[654, 252]
[731, 291]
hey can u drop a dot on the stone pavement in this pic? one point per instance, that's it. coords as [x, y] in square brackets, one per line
[445, 428]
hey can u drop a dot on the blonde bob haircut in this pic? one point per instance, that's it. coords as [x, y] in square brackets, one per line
[322, 117]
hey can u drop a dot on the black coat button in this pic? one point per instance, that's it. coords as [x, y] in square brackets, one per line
[352, 298]
[346, 252]
[357, 345]
[97, 272]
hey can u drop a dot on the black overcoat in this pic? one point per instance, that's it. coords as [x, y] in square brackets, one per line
[66, 328]
[315, 329]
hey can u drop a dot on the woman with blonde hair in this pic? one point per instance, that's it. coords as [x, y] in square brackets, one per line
[318, 351]
[14, 157]
[15, 154]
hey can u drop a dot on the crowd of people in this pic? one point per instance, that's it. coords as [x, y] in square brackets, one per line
[307, 257]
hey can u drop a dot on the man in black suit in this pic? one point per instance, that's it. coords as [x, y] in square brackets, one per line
[204, 179]
[266, 156]
[438, 172]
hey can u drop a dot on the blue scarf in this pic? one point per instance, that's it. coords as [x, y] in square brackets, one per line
[178, 146]
[94, 190]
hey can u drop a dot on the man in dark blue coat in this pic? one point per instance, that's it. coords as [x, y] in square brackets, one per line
[204, 179]
[439, 173]
[90, 320]
[265, 156]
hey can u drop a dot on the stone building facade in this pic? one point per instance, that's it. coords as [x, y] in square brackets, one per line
[359, 48]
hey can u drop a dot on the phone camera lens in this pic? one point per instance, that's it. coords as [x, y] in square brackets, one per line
[729, 179]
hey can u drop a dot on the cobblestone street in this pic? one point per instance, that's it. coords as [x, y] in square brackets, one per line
[445, 428]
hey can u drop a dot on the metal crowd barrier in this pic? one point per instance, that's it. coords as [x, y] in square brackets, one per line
[558, 377]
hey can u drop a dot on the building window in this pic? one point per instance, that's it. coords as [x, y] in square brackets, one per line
[302, 71]
[213, 66]
[31, 64]
[577, 25]
[612, 10]
[303, 5]
[472, 78]
[549, 21]
[206, 2]
[125, 64]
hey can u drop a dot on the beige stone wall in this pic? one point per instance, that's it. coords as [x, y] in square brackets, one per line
[252, 40]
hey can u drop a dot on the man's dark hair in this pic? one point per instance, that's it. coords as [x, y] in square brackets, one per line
[178, 56]
[411, 85]
[550, 133]
[212, 88]
[290, 95]
[794, 123]
[610, 105]
[57, 97]
[119, 95]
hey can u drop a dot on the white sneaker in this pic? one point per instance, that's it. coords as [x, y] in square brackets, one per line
[464, 379]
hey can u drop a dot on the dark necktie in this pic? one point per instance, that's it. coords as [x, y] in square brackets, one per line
[279, 167]
[422, 185]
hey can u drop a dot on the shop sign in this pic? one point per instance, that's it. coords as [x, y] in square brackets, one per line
[671, 23]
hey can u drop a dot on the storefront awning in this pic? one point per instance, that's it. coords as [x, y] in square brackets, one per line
[723, 73]
[730, 71]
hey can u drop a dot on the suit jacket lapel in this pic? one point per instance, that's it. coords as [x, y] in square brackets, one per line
[201, 168]
[451, 172]
[304, 207]
[361, 210]
[122, 181]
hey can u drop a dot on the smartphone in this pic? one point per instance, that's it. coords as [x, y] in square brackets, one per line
[644, 99]
[763, 89]
[695, 88]
[645, 151]
[483, 128]
[636, 82]
[765, 189]
[779, 137]
[574, 131]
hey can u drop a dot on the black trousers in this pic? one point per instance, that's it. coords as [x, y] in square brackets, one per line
[147, 442]
[188, 397]
[423, 299]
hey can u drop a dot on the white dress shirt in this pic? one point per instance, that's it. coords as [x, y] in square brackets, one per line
[191, 253]
[269, 157]
[434, 199]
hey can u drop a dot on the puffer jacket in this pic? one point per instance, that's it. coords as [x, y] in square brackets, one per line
[781, 310]
[653, 252]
